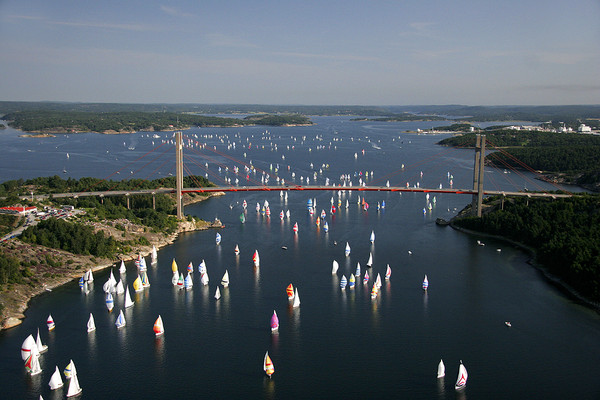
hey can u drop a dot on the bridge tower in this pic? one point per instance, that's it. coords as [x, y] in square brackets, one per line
[478, 169]
[179, 173]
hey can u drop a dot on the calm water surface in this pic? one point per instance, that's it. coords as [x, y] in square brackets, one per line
[337, 344]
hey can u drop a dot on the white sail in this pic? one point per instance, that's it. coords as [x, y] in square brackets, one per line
[74, 388]
[335, 267]
[27, 347]
[154, 255]
[122, 269]
[175, 278]
[55, 380]
[204, 278]
[38, 342]
[296, 299]
[120, 322]
[441, 372]
[347, 251]
[120, 289]
[89, 276]
[225, 279]
[218, 293]
[372, 238]
[35, 364]
[461, 381]
[370, 262]
[91, 324]
[128, 301]
[188, 283]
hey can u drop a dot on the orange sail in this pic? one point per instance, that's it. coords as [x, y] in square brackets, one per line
[159, 329]
[268, 365]
[290, 291]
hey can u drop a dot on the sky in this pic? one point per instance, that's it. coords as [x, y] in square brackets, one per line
[377, 52]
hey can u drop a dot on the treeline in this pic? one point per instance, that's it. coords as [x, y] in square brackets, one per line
[519, 138]
[80, 121]
[278, 120]
[565, 234]
[403, 117]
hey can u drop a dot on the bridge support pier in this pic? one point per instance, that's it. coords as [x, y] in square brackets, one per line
[179, 173]
[478, 170]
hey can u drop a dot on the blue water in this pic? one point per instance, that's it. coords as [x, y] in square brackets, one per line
[337, 344]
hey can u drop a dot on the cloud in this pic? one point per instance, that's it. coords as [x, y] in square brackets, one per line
[174, 12]
[337, 57]
[563, 87]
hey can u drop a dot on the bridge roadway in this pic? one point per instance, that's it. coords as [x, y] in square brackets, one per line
[278, 188]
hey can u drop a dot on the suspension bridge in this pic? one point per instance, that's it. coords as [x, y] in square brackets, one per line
[477, 191]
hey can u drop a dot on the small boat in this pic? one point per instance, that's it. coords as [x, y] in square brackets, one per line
[326, 227]
[28, 347]
[318, 222]
[461, 381]
[56, 381]
[378, 281]
[137, 284]
[284, 247]
[281, 215]
[91, 324]
[274, 322]
[218, 293]
[268, 365]
[33, 364]
[357, 272]
[204, 278]
[347, 251]
[50, 322]
[425, 283]
[351, 281]
[190, 267]
[295, 228]
[128, 301]
[374, 291]
[441, 372]
[38, 343]
[202, 267]
[287, 214]
[120, 288]
[180, 281]
[372, 238]
[89, 276]
[69, 370]
[343, 282]
[480, 243]
[335, 267]
[296, 299]
[110, 302]
[188, 283]
[256, 258]
[154, 255]
[244, 204]
[174, 266]
[175, 278]
[290, 292]
[225, 279]
[236, 250]
[370, 262]
[158, 328]
[74, 388]
[366, 277]
[120, 321]
[507, 323]
[218, 238]
[122, 268]
[388, 272]
[257, 207]
[142, 266]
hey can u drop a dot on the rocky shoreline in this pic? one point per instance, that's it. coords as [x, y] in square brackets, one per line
[15, 299]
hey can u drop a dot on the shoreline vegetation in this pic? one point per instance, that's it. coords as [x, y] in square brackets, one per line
[103, 232]
[561, 235]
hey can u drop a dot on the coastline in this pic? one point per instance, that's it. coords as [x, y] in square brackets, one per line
[551, 278]
[21, 296]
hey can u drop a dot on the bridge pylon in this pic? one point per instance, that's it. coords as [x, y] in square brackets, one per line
[478, 170]
[179, 173]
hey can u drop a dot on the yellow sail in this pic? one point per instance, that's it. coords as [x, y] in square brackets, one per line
[268, 365]
[174, 266]
[137, 284]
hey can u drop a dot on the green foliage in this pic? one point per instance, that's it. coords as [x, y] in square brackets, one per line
[9, 269]
[564, 232]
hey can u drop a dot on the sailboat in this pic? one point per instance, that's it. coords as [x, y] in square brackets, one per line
[425, 283]
[290, 291]
[91, 324]
[357, 272]
[378, 281]
[372, 238]
[388, 273]
[69, 370]
[204, 278]
[352, 281]
[343, 282]
[295, 228]
[366, 277]
[137, 284]
[218, 238]
[347, 251]
[268, 365]
[441, 372]
[175, 278]
[128, 301]
[122, 269]
[180, 281]
[225, 279]
[50, 322]
[274, 322]
[89, 276]
[188, 283]
[74, 388]
[326, 227]
[334, 268]
[159, 328]
[236, 250]
[218, 293]
[33, 364]
[145, 280]
[120, 288]
[461, 381]
[120, 321]
[38, 343]
[370, 262]
[190, 267]
[202, 267]
[27, 348]
[256, 258]
[174, 266]
[287, 213]
[296, 299]
[110, 302]
[55, 380]
[154, 255]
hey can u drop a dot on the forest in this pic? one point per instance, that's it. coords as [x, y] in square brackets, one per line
[565, 234]
[47, 121]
